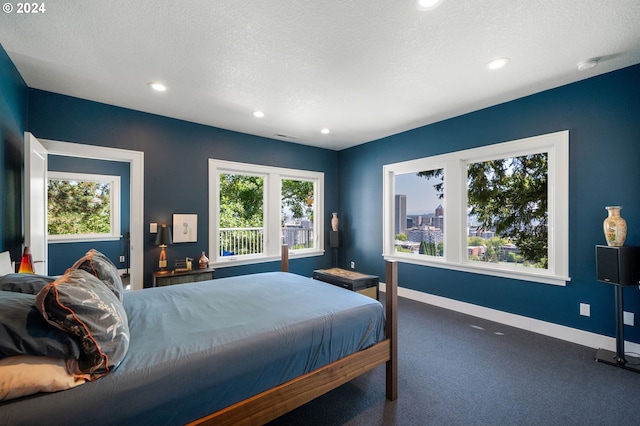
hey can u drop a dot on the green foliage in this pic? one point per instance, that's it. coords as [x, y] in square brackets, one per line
[510, 196]
[429, 249]
[434, 174]
[241, 201]
[401, 237]
[78, 207]
[475, 241]
[496, 242]
[297, 196]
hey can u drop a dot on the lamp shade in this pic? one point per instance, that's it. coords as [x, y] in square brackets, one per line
[164, 236]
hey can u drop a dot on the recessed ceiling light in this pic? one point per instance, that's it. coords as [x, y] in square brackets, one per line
[325, 131]
[258, 114]
[587, 64]
[497, 63]
[157, 86]
[428, 4]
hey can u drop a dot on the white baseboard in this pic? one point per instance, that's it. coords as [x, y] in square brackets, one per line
[569, 334]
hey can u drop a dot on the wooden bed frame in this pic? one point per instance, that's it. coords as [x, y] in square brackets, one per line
[281, 399]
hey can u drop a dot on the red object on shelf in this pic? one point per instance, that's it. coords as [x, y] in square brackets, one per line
[26, 263]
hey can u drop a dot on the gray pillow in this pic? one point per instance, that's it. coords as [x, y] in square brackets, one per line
[23, 331]
[102, 268]
[81, 304]
[24, 283]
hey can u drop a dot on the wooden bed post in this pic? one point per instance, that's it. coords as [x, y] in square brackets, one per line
[285, 258]
[392, 328]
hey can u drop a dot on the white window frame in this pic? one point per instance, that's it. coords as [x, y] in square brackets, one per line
[273, 177]
[455, 207]
[115, 214]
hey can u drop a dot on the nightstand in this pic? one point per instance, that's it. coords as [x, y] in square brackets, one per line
[354, 281]
[172, 277]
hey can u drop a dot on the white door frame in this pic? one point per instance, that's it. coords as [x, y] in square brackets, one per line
[136, 194]
[35, 202]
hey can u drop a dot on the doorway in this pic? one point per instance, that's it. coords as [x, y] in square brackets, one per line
[136, 162]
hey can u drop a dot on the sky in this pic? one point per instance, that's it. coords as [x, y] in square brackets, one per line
[421, 196]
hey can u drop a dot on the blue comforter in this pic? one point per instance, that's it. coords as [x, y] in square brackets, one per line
[197, 348]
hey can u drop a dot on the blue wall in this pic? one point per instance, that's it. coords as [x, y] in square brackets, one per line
[63, 255]
[175, 157]
[602, 115]
[13, 123]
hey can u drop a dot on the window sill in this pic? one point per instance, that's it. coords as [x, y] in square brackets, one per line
[83, 239]
[229, 261]
[522, 275]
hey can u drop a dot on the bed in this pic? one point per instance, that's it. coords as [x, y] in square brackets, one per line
[226, 359]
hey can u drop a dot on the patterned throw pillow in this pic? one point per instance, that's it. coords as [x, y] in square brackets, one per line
[81, 304]
[102, 268]
[23, 331]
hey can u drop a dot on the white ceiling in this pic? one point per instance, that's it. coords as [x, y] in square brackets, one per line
[363, 69]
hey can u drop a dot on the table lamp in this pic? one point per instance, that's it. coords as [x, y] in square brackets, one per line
[163, 239]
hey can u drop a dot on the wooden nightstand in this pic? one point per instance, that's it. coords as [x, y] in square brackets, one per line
[172, 277]
[354, 281]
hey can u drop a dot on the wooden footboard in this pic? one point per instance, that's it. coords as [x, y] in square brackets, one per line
[282, 399]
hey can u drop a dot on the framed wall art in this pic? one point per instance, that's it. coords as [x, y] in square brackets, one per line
[185, 228]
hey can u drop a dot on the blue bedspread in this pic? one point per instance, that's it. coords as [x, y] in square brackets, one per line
[197, 348]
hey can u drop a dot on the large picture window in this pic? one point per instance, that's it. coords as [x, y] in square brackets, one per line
[255, 209]
[500, 210]
[82, 206]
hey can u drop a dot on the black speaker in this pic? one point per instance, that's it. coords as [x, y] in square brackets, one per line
[618, 265]
[334, 239]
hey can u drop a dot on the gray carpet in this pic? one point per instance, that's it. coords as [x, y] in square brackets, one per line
[455, 369]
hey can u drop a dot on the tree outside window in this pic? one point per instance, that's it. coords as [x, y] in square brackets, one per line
[82, 205]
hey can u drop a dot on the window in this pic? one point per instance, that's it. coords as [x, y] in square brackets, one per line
[500, 209]
[255, 209]
[82, 207]
[419, 220]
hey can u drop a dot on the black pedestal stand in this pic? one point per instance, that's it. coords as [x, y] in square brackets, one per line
[334, 242]
[619, 359]
[618, 266]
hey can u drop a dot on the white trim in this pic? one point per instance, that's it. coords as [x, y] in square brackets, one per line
[136, 162]
[569, 334]
[455, 207]
[84, 238]
[229, 261]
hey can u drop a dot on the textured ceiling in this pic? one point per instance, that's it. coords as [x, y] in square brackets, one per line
[363, 69]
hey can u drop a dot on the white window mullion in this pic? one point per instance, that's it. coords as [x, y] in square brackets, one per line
[214, 209]
[272, 229]
[318, 214]
[452, 206]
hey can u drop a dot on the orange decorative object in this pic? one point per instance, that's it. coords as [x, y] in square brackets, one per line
[26, 263]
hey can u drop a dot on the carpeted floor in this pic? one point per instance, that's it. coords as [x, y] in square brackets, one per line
[455, 369]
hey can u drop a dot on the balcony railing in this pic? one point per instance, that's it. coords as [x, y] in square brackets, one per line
[243, 241]
[298, 238]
